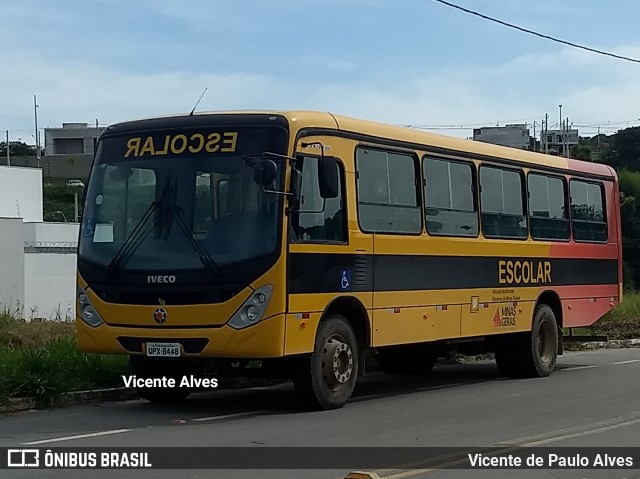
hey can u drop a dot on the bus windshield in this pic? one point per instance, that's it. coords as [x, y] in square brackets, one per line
[180, 200]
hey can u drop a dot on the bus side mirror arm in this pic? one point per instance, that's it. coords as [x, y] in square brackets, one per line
[265, 172]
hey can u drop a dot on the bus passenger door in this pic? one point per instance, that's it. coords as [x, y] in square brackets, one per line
[325, 262]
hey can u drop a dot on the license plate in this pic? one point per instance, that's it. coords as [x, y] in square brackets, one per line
[163, 350]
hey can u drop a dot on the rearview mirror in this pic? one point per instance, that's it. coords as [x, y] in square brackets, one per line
[264, 172]
[328, 176]
[121, 173]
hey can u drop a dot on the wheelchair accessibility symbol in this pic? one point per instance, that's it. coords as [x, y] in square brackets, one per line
[345, 281]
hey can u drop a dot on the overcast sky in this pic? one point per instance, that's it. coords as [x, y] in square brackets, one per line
[407, 62]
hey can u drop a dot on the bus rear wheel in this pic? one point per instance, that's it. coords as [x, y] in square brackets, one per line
[530, 354]
[543, 343]
[326, 378]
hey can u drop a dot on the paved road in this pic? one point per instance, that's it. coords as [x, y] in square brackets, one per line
[592, 399]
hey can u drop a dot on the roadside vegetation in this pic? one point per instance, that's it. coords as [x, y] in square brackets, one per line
[40, 361]
[59, 202]
[623, 322]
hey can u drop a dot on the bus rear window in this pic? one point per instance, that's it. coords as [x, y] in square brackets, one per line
[587, 211]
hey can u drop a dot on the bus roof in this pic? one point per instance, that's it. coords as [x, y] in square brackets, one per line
[417, 137]
[364, 128]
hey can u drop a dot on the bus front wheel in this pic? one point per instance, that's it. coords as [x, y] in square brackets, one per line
[325, 379]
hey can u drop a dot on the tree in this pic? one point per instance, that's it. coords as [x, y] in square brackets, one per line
[630, 216]
[624, 151]
[581, 152]
[17, 148]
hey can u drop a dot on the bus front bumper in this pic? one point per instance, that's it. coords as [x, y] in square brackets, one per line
[262, 340]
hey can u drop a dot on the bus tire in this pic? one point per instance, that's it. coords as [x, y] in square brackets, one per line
[325, 379]
[540, 352]
[531, 354]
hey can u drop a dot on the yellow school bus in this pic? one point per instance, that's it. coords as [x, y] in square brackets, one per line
[295, 241]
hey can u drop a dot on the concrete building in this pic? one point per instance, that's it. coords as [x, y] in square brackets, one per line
[71, 139]
[514, 136]
[37, 260]
[58, 167]
[558, 142]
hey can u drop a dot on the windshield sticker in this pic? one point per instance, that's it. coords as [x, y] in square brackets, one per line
[103, 233]
[223, 142]
[89, 227]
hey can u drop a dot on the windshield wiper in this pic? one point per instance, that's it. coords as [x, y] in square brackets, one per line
[134, 240]
[203, 255]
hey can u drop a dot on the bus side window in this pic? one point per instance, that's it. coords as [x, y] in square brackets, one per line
[501, 203]
[309, 223]
[548, 214]
[388, 199]
[450, 207]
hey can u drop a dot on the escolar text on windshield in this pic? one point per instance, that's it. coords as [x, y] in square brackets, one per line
[176, 144]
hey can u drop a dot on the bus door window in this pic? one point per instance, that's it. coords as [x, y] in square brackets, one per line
[225, 226]
[203, 203]
[258, 227]
[308, 220]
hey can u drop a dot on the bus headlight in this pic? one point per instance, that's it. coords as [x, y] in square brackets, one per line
[253, 308]
[87, 312]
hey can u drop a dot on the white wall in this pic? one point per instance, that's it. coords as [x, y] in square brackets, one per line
[11, 265]
[50, 270]
[50, 284]
[59, 235]
[21, 193]
[37, 260]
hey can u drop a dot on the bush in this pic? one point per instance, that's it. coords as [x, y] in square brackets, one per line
[41, 360]
[47, 372]
[623, 321]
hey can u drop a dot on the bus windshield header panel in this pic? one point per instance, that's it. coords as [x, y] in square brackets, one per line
[181, 199]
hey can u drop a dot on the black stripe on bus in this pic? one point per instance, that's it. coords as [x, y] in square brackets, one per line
[340, 273]
[446, 152]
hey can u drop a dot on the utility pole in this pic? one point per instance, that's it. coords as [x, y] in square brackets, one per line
[8, 154]
[75, 205]
[566, 138]
[546, 133]
[35, 114]
[560, 106]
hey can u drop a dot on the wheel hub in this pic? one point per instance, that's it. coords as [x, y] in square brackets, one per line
[337, 362]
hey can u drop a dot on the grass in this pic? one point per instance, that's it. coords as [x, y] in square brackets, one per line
[623, 321]
[40, 360]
